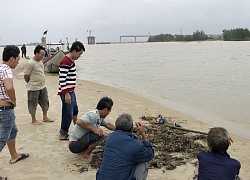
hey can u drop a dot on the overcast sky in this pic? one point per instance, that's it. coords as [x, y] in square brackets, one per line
[24, 21]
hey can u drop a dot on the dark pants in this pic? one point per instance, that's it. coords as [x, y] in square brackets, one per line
[83, 143]
[141, 172]
[68, 111]
[24, 54]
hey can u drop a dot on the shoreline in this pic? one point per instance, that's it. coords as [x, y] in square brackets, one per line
[51, 159]
[214, 120]
[189, 84]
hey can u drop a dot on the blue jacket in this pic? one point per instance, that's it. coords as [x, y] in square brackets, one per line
[122, 151]
[217, 166]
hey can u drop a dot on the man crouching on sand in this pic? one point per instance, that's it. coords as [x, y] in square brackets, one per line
[87, 133]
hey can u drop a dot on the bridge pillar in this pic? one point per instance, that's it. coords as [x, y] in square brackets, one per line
[91, 40]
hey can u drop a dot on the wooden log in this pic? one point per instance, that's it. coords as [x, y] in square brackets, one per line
[183, 129]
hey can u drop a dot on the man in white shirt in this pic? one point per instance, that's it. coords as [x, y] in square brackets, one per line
[37, 92]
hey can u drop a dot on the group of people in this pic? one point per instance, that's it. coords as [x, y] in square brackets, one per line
[124, 157]
[86, 133]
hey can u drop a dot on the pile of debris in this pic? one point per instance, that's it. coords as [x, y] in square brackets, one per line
[173, 146]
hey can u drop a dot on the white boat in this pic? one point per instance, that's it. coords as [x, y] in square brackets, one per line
[51, 64]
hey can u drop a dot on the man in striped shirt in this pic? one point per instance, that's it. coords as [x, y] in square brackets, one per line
[67, 83]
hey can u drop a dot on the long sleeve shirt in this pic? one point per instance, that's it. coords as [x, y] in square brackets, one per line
[122, 152]
[217, 166]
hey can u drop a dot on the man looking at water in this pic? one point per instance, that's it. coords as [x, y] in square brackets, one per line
[124, 155]
[8, 128]
[37, 92]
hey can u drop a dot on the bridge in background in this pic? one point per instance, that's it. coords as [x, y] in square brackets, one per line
[134, 36]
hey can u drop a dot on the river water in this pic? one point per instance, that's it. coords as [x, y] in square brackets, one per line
[207, 80]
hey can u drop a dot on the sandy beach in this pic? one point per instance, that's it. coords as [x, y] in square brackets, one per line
[50, 158]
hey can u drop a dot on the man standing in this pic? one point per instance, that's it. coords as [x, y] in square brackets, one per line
[87, 132]
[124, 156]
[8, 129]
[23, 49]
[67, 83]
[37, 92]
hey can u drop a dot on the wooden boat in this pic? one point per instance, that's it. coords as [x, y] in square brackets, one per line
[51, 64]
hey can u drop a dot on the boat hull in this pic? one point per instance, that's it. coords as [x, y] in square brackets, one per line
[52, 63]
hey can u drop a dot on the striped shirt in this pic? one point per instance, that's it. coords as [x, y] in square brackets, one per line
[67, 75]
[5, 72]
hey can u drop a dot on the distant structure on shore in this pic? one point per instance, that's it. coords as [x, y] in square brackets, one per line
[91, 39]
[43, 39]
[134, 36]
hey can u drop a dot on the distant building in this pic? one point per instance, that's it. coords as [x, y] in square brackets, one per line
[91, 40]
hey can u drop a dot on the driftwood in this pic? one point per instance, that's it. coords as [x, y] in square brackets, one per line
[183, 129]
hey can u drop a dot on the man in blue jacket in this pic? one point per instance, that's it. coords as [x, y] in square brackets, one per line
[124, 155]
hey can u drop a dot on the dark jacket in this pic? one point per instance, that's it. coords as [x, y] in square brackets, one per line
[217, 166]
[122, 151]
[23, 48]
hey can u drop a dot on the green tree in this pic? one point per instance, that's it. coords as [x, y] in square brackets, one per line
[238, 34]
[161, 38]
[199, 36]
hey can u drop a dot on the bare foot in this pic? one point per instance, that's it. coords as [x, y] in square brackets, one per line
[36, 122]
[86, 158]
[47, 120]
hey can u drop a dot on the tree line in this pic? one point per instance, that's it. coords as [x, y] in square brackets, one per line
[238, 34]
